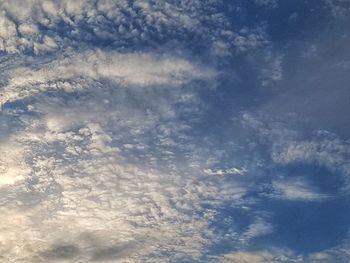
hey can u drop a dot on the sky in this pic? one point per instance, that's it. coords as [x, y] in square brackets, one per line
[174, 131]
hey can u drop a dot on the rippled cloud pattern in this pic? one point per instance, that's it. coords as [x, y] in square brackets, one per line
[174, 131]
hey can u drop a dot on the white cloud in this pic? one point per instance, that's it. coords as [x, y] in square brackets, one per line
[259, 227]
[73, 73]
[279, 255]
[99, 195]
[325, 149]
[99, 164]
[274, 255]
[13, 167]
[121, 23]
[329, 152]
[84, 196]
[249, 257]
[222, 172]
[295, 189]
[249, 39]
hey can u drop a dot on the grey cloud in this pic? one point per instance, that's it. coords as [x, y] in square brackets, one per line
[89, 249]
[59, 252]
[114, 252]
[267, 3]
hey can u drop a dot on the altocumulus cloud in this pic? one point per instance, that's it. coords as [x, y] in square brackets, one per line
[153, 131]
[75, 195]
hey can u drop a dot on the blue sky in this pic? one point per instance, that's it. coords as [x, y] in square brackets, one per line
[174, 131]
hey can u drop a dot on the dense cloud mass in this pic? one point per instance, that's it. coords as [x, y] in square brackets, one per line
[174, 131]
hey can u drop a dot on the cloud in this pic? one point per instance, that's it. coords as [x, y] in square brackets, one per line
[280, 255]
[109, 119]
[249, 257]
[259, 227]
[287, 145]
[84, 196]
[74, 73]
[295, 190]
[267, 3]
[274, 255]
[48, 26]
[230, 171]
[96, 192]
[13, 167]
[327, 152]
[272, 71]
[336, 254]
[339, 9]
